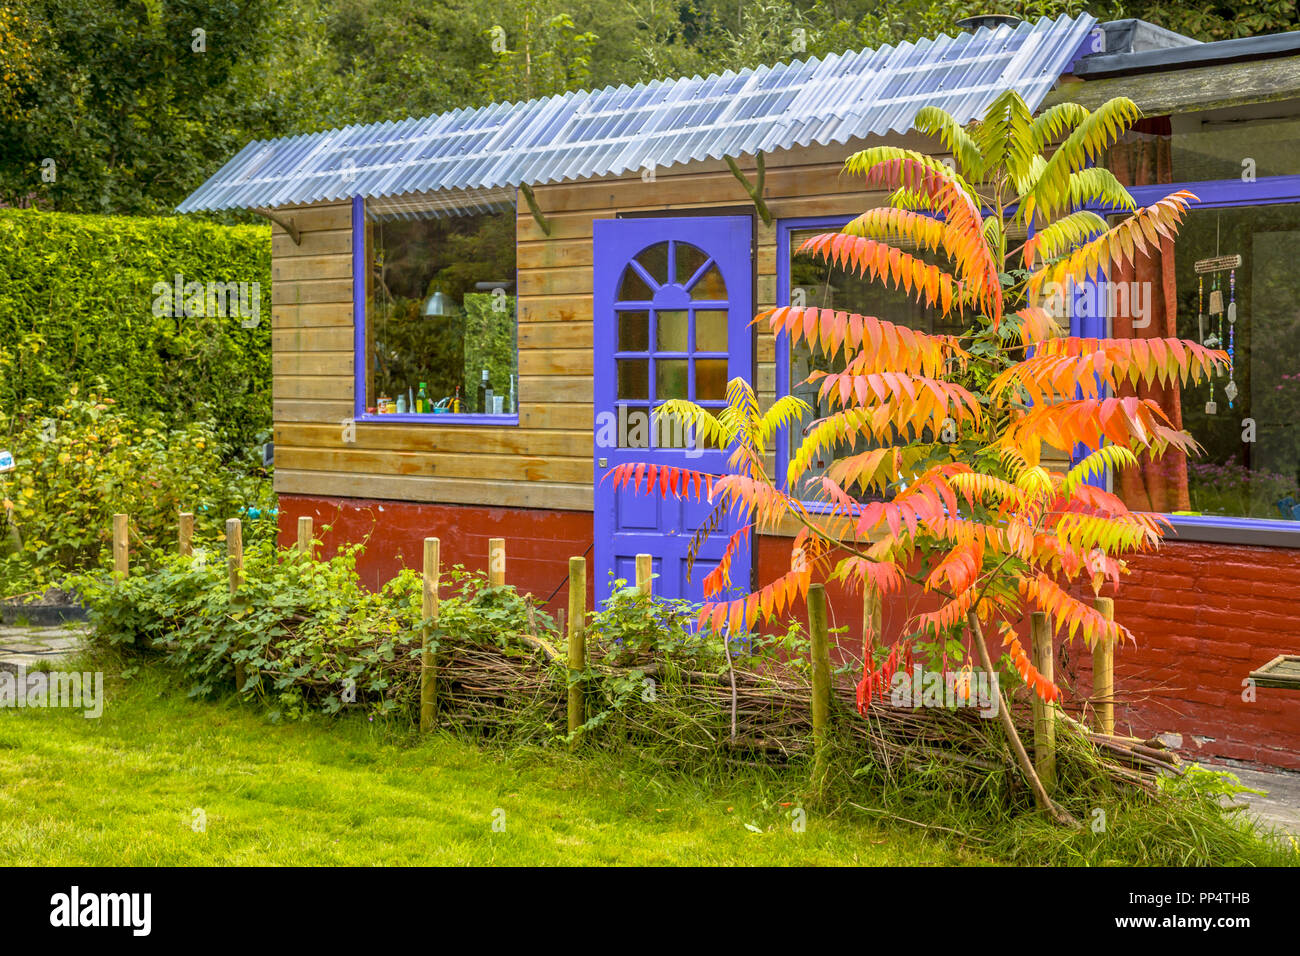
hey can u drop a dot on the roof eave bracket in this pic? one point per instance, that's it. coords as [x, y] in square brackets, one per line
[284, 222]
[754, 189]
[542, 222]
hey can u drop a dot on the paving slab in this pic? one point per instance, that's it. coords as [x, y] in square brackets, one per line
[27, 647]
[1278, 807]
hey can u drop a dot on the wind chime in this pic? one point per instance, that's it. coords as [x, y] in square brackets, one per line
[1220, 333]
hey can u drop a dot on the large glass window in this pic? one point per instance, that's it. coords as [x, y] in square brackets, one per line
[1229, 282]
[813, 282]
[440, 327]
[1232, 279]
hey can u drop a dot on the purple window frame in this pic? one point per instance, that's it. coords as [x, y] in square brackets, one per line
[360, 368]
[1227, 194]
[1211, 194]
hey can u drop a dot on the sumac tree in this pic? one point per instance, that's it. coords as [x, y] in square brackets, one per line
[937, 478]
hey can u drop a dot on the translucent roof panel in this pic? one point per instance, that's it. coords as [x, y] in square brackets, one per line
[618, 129]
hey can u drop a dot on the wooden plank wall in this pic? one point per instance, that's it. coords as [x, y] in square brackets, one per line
[546, 461]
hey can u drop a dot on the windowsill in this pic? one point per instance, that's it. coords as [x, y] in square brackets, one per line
[448, 418]
[1218, 529]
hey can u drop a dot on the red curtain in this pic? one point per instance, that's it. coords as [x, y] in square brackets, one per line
[1143, 158]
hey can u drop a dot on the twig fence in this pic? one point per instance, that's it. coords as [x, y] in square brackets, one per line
[1044, 714]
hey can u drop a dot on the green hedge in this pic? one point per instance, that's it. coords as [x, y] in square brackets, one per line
[77, 302]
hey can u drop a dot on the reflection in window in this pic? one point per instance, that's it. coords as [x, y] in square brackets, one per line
[633, 378]
[1232, 144]
[815, 283]
[671, 331]
[709, 285]
[710, 330]
[655, 262]
[634, 331]
[440, 317]
[1246, 421]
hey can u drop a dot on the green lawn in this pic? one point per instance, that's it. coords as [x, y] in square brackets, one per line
[123, 789]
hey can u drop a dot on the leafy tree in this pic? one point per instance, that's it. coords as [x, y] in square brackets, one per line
[937, 478]
[19, 58]
[549, 56]
[1221, 21]
[400, 58]
[131, 105]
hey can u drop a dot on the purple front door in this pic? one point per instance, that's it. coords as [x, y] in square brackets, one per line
[672, 307]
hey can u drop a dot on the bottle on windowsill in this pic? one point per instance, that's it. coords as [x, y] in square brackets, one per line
[422, 404]
[485, 395]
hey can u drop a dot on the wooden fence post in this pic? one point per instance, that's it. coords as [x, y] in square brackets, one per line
[645, 574]
[304, 535]
[121, 547]
[577, 643]
[1044, 711]
[428, 669]
[234, 569]
[821, 684]
[496, 562]
[872, 617]
[1103, 674]
[185, 534]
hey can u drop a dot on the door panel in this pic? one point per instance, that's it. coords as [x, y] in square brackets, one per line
[672, 305]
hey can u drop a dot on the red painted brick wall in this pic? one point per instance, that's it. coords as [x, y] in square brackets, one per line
[538, 543]
[1204, 615]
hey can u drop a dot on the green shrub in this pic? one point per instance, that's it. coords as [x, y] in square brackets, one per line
[82, 461]
[310, 636]
[77, 296]
[303, 628]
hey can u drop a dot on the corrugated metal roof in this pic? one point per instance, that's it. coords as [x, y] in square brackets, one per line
[618, 129]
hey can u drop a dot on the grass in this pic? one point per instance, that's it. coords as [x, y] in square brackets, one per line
[122, 790]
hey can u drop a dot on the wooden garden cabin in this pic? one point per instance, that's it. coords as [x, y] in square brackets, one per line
[594, 253]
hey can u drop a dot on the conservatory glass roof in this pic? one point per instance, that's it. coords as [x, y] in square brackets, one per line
[617, 129]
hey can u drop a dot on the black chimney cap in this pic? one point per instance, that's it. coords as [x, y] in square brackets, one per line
[990, 20]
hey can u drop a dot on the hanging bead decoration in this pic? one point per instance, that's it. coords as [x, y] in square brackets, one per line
[1219, 333]
[1216, 298]
[1231, 388]
[1216, 308]
[1200, 307]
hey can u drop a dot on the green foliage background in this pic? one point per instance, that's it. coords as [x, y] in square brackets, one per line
[76, 307]
[82, 460]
